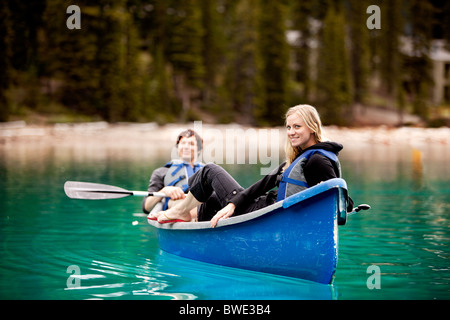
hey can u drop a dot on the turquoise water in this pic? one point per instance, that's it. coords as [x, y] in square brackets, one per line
[44, 235]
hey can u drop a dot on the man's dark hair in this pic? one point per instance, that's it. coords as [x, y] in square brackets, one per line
[189, 133]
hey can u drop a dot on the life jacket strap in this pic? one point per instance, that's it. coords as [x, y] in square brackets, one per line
[179, 167]
[174, 182]
[296, 182]
[285, 181]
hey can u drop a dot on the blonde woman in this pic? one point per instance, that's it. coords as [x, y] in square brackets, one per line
[309, 161]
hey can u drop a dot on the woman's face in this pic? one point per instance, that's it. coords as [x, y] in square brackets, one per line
[298, 133]
[187, 149]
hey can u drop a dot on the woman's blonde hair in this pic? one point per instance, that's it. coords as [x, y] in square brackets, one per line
[311, 118]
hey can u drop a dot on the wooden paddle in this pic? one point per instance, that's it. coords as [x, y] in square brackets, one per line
[96, 191]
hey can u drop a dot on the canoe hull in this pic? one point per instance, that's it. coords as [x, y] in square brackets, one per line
[296, 238]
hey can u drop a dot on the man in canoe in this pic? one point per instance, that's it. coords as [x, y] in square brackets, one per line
[172, 179]
[309, 160]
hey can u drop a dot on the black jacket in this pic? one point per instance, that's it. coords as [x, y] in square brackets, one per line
[317, 169]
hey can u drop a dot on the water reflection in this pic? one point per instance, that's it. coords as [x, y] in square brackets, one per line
[208, 281]
[406, 233]
[171, 277]
[387, 162]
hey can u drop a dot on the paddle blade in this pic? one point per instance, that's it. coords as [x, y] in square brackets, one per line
[94, 191]
[362, 207]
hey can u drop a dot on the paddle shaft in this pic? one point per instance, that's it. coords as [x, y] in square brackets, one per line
[131, 193]
[96, 191]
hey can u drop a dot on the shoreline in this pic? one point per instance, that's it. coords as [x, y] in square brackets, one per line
[426, 149]
[140, 134]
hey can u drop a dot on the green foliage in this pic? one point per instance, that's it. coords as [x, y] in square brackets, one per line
[301, 12]
[185, 48]
[359, 50]
[275, 57]
[388, 51]
[216, 60]
[243, 82]
[5, 62]
[333, 80]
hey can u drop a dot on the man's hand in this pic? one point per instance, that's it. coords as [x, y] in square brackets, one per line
[174, 193]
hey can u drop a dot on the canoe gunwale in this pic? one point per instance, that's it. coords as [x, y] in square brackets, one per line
[286, 203]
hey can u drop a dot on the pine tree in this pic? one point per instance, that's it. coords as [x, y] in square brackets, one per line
[359, 49]
[132, 76]
[5, 58]
[301, 14]
[185, 52]
[418, 65]
[96, 65]
[333, 78]
[445, 12]
[108, 60]
[213, 48]
[389, 49]
[159, 97]
[243, 76]
[25, 19]
[69, 57]
[275, 59]
[157, 93]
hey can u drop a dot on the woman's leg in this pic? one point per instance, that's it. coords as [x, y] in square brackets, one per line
[211, 178]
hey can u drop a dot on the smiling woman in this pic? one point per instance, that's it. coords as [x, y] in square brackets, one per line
[298, 133]
[304, 129]
[309, 160]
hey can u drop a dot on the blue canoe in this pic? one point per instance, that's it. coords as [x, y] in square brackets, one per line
[296, 237]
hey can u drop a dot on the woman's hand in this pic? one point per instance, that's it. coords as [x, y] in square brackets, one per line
[174, 193]
[224, 213]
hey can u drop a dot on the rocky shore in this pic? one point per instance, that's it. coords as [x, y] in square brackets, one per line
[129, 135]
[223, 144]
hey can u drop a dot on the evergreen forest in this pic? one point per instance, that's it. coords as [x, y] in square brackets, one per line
[219, 61]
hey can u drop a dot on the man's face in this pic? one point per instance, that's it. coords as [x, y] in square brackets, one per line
[187, 149]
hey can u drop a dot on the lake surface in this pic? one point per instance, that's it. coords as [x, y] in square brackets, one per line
[111, 252]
